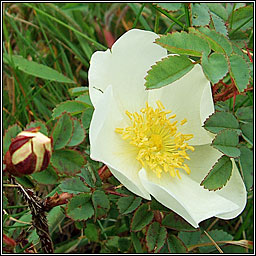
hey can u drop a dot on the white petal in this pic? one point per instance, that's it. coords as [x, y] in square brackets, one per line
[185, 196]
[202, 160]
[124, 67]
[234, 191]
[184, 98]
[108, 147]
[207, 105]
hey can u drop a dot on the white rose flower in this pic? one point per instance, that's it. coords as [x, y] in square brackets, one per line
[153, 140]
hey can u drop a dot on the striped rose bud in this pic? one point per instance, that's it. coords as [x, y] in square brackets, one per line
[28, 153]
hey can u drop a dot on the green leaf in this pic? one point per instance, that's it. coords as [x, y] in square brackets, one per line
[215, 66]
[246, 163]
[85, 98]
[87, 117]
[174, 221]
[245, 114]
[10, 133]
[170, 6]
[73, 186]
[124, 244]
[184, 43]
[189, 238]
[239, 71]
[219, 175]
[99, 198]
[219, 24]
[200, 15]
[128, 204]
[217, 42]
[77, 91]
[247, 132]
[87, 176]
[219, 121]
[217, 236]
[233, 249]
[70, 106]
[48, 176]
[91, 232]
[218, 9]
[54, 218]
[167, 71]
[156, 236]
[112, 244]
[240, 16]
[100, 202]
[175, 245]
[25, 181]
[155, 205]
[136, 243]
[67, 161]
[38, 70]
[62, 131]
[80, 207]
[43, 128]
[78, 134]
[141, 218]
[226, 142]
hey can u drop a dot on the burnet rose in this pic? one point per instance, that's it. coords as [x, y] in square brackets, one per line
[30, 151]
[153, 140]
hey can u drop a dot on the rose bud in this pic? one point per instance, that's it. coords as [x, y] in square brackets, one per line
[28, 153]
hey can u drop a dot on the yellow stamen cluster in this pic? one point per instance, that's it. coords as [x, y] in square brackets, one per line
[160, 146]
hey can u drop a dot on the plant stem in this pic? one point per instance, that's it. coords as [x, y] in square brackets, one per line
[138, 15]
[186, 9]
[171, 17]
[233, 31]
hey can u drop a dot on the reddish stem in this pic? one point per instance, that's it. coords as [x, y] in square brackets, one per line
[115, 193]
[248, 53]
[102, 169]
[226, 85]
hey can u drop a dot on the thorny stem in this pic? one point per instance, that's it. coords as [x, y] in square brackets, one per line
[39, 220]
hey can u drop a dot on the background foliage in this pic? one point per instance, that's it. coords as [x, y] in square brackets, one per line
[47, 48]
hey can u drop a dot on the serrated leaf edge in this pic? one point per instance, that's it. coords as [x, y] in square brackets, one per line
[134, 217]
[63, 113]
[156, 63]
[128, 207]
[53, 111]
[74, 118]
[225, 56]
[231, 73]
[182, 32]
[227, 39]
[201, 184]
[26, 127]
[68, 173]
[161, 226]
[221, 132]
[165, 8]
[219, 126]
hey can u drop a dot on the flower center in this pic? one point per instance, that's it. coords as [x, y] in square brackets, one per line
[160, 146]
